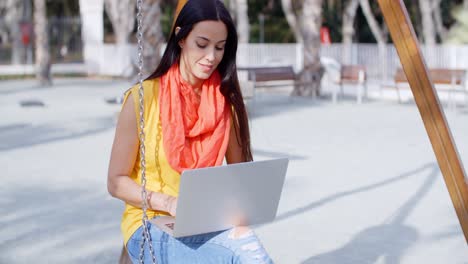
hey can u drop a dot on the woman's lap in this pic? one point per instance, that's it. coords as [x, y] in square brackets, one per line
[216, 247]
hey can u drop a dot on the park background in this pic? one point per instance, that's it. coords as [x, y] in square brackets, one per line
[363, 184]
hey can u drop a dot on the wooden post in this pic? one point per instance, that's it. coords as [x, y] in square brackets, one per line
[404, 38]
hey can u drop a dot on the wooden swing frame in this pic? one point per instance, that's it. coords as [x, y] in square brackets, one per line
[404, 38]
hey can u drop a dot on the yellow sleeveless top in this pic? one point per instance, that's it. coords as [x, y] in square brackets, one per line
[169, 180]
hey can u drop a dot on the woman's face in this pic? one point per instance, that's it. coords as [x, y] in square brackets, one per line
[202, 51]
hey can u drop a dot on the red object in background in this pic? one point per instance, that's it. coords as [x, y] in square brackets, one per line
[325, 35]
[26, 31]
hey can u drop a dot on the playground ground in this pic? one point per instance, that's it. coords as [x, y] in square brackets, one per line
[363, 185]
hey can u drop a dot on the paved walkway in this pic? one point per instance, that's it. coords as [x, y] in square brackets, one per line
[363, 184]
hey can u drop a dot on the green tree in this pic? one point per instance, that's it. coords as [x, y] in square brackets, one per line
[458, 33]
[275, 28]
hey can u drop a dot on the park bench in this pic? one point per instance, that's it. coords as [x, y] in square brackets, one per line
[354, 75]
[451, 80]
[274, 76]
[263, 76]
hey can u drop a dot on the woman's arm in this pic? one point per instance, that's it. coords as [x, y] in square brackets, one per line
[123, 157]
[234, 150]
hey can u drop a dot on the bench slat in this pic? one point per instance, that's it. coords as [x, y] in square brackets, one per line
[350, 73]
[438, 76]
[264, 74]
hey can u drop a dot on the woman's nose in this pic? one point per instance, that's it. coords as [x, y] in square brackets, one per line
[210, 56]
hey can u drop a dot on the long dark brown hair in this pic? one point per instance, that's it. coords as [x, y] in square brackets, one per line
[193, 12]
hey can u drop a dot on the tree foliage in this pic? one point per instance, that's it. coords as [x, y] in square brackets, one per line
[458, 33]
[276, 29]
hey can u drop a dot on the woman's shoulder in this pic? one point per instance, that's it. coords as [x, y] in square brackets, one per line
[150, 87]
[150, 92]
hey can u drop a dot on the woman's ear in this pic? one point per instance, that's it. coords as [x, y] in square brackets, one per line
[176, 32]
[181, 43]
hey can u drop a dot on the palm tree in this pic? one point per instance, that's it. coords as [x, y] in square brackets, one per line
[153, 38]
[290, 15]
[439, 26]
[377, 31]
[349, 15]
[239, 10]
[43, 62]
[305, 19]
[122, 16]
[428, 25]
[10, 14]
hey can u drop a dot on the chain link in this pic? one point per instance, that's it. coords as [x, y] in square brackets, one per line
[146, 237]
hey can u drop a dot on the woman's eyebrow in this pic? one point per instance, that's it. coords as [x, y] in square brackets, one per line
[207, 39]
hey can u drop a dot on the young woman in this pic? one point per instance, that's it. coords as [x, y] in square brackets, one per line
[194, 117]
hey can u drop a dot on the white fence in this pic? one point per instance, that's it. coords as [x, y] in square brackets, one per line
[378, 67]
[107, 59]
[251, 55]
[384, 67]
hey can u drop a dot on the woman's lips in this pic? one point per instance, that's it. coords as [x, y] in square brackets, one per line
[206, 68]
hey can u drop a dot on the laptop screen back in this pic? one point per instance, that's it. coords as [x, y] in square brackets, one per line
[218, 198]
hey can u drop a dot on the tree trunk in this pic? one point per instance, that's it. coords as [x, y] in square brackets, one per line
[292, 19]
[377, 32]
[153, 38]
[439, 26]
[122, 16]
[429, 36]
[28, 20]
[42, 43]
[311, 76]
[4, 36]
[3, 25]
[348, 29]
[242, 19]
[12, 19]
[373, 24]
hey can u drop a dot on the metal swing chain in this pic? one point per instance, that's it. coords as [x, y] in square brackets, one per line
[146, 237]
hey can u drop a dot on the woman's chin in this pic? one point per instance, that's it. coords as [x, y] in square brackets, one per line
[204, 75]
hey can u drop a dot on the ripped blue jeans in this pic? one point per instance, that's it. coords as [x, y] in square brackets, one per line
[217, 247]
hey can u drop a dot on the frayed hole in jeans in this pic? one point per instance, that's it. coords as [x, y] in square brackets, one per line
[251, 246]
[240, 233]
[259, 256]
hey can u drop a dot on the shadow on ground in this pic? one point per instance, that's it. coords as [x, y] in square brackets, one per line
[22, 86]
[388, 241]
[265, 104]
[40, 225]
[361, 189]
[275, 155]
[25, 135]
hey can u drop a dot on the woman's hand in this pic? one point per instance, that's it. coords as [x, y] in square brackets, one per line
[171, 205]
[163, 202]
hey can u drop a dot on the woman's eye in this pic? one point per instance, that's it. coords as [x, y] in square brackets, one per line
[201, 46]
[219, 48]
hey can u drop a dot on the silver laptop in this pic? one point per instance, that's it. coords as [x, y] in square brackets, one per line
[219, 198]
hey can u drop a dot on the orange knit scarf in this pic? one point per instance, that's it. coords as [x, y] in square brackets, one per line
[195, 127]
